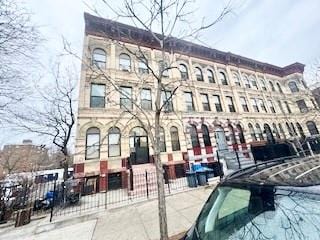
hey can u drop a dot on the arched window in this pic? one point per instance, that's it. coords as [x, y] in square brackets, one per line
[236, 79]
[194, 136]
[263, 85]
[114, 137]
[163, 69]
[259, 132]
[162, 140]
[289, 129]
[210, 76]
[293, 129]
[252, 132]
[175, 143]
[223, 78]
[124, 62]
[254, 82]
[198, 73]
[300, 130]
[279, 88]
[282, 131]
[240, 134]
[206, 135]
[93, 143]
[275, 130]
[272, 86]
[313, 130]
[99, 58]
[183, 72]
[268, 132]
[232, 134]
[293, 87]
[246, 81]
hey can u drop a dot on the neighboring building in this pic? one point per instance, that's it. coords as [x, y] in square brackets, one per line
[25, 157]
[225, 102]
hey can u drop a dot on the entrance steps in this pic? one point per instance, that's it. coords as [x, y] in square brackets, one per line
[232, 162]
[144, 179]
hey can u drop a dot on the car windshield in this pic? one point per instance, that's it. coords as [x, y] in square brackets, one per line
[260, 212]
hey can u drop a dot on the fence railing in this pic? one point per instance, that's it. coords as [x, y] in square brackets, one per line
[57, 198]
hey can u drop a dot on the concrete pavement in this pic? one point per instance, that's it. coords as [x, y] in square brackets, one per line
[138, 221]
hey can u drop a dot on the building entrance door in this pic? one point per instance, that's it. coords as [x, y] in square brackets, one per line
[139, 146]
[221, 139]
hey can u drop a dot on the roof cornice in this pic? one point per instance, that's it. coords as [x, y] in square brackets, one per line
[106, 28]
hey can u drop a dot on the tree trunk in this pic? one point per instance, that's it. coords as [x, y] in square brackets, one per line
[160, 182]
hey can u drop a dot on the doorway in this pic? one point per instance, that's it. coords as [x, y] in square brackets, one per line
[221, 139]
[139, 146]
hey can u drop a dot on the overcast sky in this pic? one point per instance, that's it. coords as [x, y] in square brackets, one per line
[273, 31]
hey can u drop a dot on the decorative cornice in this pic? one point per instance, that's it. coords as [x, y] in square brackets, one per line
[106, 28]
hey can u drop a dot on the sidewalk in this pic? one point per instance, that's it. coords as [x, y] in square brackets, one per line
[138, 221]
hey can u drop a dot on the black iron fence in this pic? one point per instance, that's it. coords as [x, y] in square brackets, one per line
[56, 198]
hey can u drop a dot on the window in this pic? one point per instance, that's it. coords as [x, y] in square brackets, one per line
[230, 104]
[236, 79]
[252, 132]
[289, 129]
[240, 134]
[189, 101]
[287, 106]
[97, 96]
[162, 140]
[198, 73]
[246, 82]
[244, 104]
[272, 86]
[146, 101]
[279, 88]
[259, 131]
[143, 67]
[300, 130]
[223, 78]
[293, 87]
[194, 136]
[166, 100]
[254, 83]
[232, 134]
[93, 143]
[206, 135]
[217, 103]
[210, 76]
[254, 104]
[183, 72]
[263, 85]
[99, 58]
[262, 106]
[293, 129]
[282, 131]
[302, 106]
[205, 102]
[271, 107]
[126, 97]
[163, 69]
[124, 62]
[313, 130]
[175, 143]
[275, 130]
[314, 103]
[114, 142]
[280, 106]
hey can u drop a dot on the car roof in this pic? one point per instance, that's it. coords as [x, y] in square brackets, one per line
[295, 172]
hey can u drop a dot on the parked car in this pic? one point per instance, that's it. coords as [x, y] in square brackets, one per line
[272, 200]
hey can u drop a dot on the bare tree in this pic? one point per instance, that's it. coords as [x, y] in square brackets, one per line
[53, 114]
[18, 40]
[169, 18]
